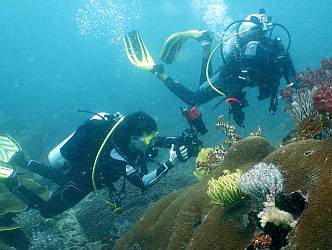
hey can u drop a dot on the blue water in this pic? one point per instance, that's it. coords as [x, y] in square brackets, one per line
[51, 64]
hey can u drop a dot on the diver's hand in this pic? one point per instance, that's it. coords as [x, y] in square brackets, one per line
[158, 69]
[182, 153]
[272, 109]
[173, 156]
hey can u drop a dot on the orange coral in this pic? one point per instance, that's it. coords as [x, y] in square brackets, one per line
[261, 241]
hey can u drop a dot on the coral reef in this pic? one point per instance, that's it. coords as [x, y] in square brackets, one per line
[41, 232]
[320, 76]
[98, 222]
[301, 105]
[258, 132]
[275, 215]
[208, 160]
[311, 105]
[322, 98]
[294, 203]
[225, 190]
[10, 205]
[310, 128]
[247, 151]
[186, 219]
[260, 241]
[261, 180]
[311, 173]
[229, 131]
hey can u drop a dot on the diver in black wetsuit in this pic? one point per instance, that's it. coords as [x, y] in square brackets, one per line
[125, 154]
[251, 59]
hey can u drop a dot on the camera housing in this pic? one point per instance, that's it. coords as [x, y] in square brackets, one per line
[194, 118]
[190, 140]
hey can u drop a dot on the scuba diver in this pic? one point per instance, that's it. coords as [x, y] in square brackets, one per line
[251, 58]
[101, 151]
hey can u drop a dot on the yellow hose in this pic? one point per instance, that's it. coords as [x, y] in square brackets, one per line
[114, 208]
[209, 60]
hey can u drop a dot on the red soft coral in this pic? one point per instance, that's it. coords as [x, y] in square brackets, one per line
[322, 98]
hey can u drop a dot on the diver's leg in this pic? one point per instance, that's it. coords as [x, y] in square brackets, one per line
[237, 108]
[63, 198]
[186, 95]
[205, 42]
[46, 171]
[268, 89]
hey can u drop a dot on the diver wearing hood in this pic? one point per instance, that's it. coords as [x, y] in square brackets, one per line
[251, 58]
[101, 151]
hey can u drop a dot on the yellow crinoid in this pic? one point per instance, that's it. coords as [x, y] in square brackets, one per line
[225, 190]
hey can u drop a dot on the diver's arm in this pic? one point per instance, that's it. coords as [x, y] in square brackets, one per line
[147, 180]
[289, 69]
[154, 176]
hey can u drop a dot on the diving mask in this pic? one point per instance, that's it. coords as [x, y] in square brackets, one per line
[148, 138]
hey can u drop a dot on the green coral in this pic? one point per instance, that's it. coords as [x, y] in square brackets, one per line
[208, 160]
[225, 190]
[11, 205]
[202, 163]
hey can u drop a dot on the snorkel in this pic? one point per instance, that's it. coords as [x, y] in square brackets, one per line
[263, 23]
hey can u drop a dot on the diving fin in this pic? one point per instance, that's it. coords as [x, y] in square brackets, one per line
[5, 173]
[8, 148]
[137, 52]
[169, 52]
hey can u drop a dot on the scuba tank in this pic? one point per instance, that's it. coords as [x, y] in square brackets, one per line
[56, 158]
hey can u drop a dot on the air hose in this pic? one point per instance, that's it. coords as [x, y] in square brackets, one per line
[115, 209]
[236, 34]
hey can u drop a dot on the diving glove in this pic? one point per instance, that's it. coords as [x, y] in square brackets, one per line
[176, 155]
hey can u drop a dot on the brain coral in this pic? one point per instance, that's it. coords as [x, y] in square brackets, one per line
[188, 220]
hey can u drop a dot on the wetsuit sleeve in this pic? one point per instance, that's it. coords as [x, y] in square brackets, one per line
[145, 181]
[154, 176]
[289, 69]
[203, 94]
[134, 177]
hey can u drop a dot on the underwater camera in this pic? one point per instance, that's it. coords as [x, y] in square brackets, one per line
[190, 140]
[194, 118]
